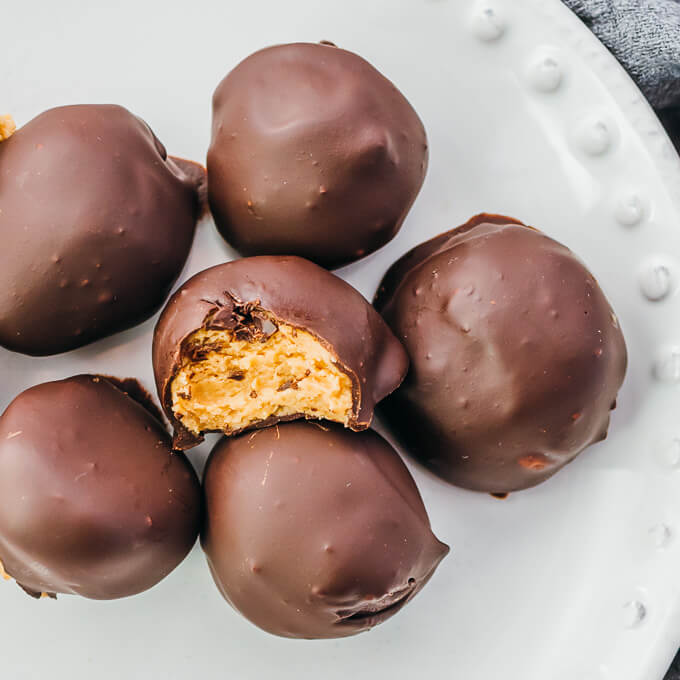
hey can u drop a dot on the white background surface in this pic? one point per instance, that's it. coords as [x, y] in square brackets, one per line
[536, 586]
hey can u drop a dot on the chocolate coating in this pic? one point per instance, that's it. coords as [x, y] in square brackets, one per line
[313, 153]
[516, 355]
[96, 223]
[314, 531]
[294, 291]
[94, 503]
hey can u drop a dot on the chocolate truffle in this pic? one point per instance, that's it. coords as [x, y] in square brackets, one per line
[96, 224]
[264, 339]
[312, 531]
[313, 153]
[94, 502]
[516, 355]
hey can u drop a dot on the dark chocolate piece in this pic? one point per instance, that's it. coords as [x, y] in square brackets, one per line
[320, 333]
[94, 502]
[516, 355]
[313, 153]
[96, 223]
[313, 531]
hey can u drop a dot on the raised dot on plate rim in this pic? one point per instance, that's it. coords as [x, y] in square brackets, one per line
[634, 614]
[661, 534]
[487, 22]
[666, 367]
[667, 452]
[594, 136]
[545, 73]
[630, 210]
[656, 277]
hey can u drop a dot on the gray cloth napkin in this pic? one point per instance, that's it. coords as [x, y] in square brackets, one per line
[644, 35]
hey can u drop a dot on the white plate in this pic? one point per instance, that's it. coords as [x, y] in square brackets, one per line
[527, 115]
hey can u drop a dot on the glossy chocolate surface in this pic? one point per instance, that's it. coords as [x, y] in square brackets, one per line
[313, 531]
[94, 503]
[313, 153]
[96, 223]
[298, 293]
[516, 355]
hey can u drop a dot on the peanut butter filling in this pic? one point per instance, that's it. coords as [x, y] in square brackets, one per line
[7, 127]
[228, 382]
[3, 573]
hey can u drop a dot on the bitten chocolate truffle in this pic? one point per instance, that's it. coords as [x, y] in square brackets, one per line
[263, 339]
[94, 503]
[312, 531]
[96, 224]
[516, 355]
[313, 153]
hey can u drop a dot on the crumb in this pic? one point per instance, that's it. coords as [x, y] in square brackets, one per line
[3, 573]
[7, 127]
